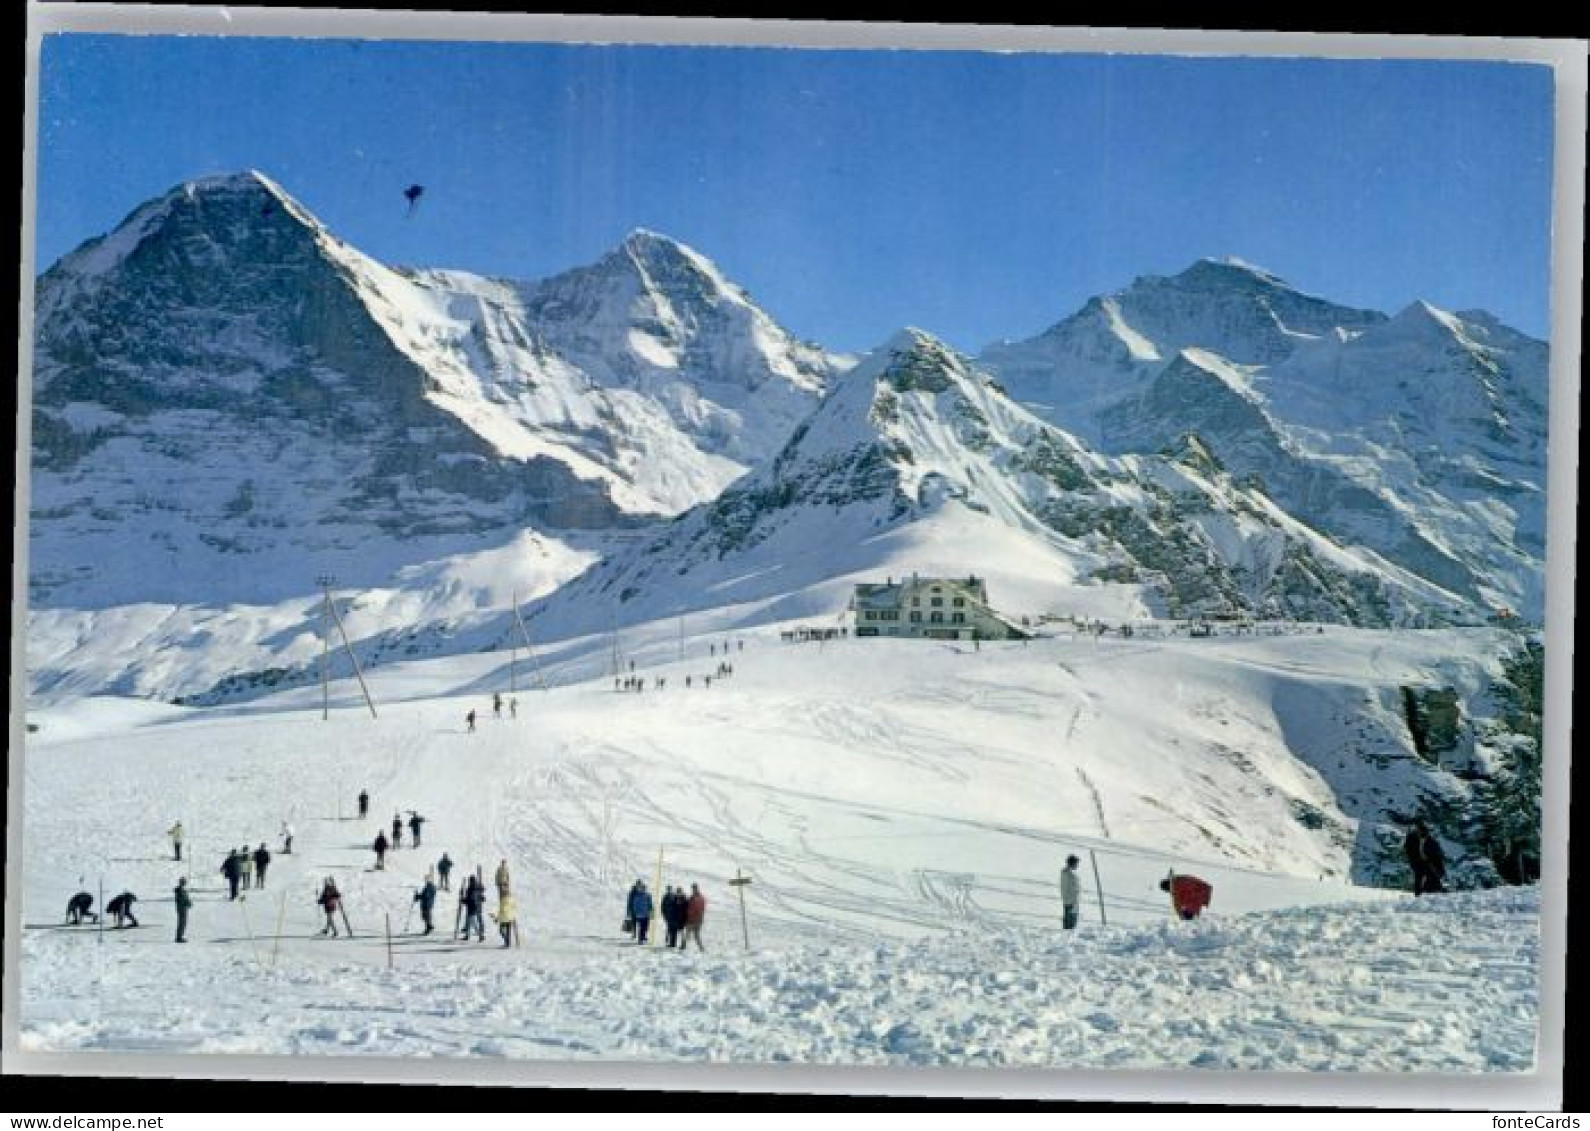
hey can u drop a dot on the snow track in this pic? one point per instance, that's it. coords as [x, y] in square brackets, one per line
[902, 811]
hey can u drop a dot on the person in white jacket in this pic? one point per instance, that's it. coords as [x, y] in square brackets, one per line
[1070, 893]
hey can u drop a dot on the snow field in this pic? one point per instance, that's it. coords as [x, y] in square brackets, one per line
[903, 809]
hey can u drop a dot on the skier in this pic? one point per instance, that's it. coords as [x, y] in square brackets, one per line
[1188, 894]
[364, 804]
[1070, 894]
[629, 906]
[470, 719]
[474, 900]
[380, 851]
[496, 704]
[330, 900]
[412, 194]
[397, 831]
[77, 908]
[287, 838]
[513, 708]
[232, 869]
[426, 898]
[695, 915]
[444, 868]
[183, 901]
[415, 822]
[120, 909]
[262, 860]
[640, 908]
[175, 833]
[507, 923]
[502, 879]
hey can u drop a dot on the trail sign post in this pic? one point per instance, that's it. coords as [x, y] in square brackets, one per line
[739, 884]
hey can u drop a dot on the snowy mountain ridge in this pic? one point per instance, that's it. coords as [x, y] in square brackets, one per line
[404, 414]
[231, 401]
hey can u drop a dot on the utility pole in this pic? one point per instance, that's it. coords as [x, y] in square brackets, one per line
[324, 581]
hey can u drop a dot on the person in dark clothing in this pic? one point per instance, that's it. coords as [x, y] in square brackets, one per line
[474, 901]
[673, 914]
[1425, 858]
[330, 900]
[364, 804]
[120, 909]
[233, 871]
[470, 719]
[416, 822]
[444, 868]
[640, 908]
[77, 908]
[397, 831]
[426, 898]
[183, 901]
[380, 851]
[262, 860]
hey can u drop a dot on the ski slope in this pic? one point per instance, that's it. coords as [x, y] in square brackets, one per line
[902, 807]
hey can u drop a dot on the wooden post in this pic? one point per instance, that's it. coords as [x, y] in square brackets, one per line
[99, 921]
[739, 884]
[1099, 886]
[656, 895]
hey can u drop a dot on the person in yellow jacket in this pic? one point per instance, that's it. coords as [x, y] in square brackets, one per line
[507, 919]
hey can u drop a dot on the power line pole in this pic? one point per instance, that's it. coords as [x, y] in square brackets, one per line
[324, 581]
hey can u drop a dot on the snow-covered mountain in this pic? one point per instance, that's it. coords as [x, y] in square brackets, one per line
[230, 400]
[917, 461]
[1420, 437]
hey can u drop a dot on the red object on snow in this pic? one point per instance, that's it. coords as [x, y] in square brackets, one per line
[1190, 895]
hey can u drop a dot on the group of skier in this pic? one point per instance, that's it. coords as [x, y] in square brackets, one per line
[496, 709]
[244, 869]
[682, 914]
[381, 844]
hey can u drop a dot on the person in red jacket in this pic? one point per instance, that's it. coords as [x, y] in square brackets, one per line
[695, 915]
[1188, 894]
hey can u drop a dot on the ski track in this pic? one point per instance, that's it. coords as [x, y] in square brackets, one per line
[903, 910]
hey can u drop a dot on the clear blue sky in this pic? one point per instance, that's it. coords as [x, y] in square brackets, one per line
[978, 196]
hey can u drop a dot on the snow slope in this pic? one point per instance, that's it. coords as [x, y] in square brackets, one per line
[1419, 437]
[917, 462]
[902, 807]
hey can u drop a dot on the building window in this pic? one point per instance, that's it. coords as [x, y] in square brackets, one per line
[960, 602]
[957, 618]
[916, 617]
[936, 602]
[936, 618]
[915, 601]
